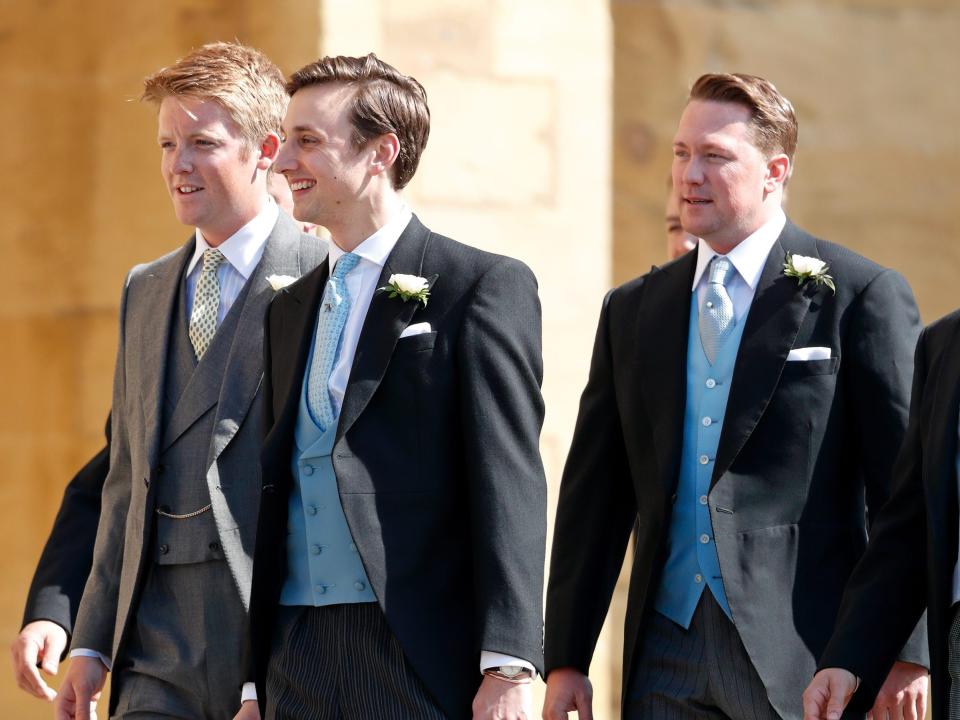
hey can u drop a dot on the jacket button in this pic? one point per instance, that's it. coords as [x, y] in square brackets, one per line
[164, 549]
[308, 470]
[215, 546]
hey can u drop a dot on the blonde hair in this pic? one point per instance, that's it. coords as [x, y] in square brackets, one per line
[243, 80]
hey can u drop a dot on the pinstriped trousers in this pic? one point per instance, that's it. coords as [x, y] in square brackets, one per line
[701, 673]
[342, 662]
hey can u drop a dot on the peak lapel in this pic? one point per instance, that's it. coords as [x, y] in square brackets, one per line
[663, 321]
[155, 340]
[773, 321]
[298, 317]
[386, 319]
[244, 368]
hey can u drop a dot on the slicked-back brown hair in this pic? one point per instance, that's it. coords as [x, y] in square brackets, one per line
[772, 117]
[384, 101]
[241, 79]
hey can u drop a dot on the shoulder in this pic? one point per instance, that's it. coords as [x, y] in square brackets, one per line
[941, 331]
[466, 266]
[850, 270]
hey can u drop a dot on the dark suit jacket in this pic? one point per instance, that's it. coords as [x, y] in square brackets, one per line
[802, 444]
[913, 545]
[436, 457]
[65, 562]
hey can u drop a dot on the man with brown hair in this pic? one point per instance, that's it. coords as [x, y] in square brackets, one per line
[742, 401]
[165, 606]
[400, 548]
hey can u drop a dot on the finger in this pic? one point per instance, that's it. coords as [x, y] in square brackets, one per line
[908, 708]
[29, 678]
[584, 708]
[53, 647]
[921, 705]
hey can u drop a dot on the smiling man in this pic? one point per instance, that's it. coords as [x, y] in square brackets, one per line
[400, 548]
[165, 606]
[742, 401]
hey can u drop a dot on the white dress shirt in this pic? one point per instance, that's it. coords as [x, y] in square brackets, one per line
[242, 251]
[747, 258]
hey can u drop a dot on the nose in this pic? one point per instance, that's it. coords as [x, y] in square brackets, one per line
[692, 173]
[284, 161]
[182, 162]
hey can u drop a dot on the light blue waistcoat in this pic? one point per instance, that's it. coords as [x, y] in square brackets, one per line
[323, 565]
[692, 561]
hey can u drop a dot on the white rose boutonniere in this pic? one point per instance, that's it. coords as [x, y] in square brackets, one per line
[279, 282]
[807, 268]
[408, 287]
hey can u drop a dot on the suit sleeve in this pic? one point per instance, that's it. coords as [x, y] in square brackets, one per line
[65, 562]
[884, 342]
[888, 586]
[501, 370]
[98, 608]
[595, 514]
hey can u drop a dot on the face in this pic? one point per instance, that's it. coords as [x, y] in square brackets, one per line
[328, 175]
[279, 190]
[679, 241]
[210, 171]
[727, 188]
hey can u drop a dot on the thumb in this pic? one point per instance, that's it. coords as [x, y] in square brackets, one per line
[53, 648]
[839, 696]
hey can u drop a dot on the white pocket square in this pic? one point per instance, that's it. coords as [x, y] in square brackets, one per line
[809, 353]
[416, 329]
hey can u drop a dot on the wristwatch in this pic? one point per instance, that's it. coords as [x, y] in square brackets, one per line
[510, 673]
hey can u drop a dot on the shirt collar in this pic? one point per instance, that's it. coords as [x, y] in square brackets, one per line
[377, 247]
[244, 248]
[749, 256]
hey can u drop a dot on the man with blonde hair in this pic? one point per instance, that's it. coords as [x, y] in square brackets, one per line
[165, 607]
[743, 402]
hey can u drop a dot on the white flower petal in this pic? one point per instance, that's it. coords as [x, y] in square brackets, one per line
[411, 284]
[278, 282]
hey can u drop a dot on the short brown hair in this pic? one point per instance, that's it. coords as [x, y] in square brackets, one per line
[772, 116]
[385, 101]
[241, 79]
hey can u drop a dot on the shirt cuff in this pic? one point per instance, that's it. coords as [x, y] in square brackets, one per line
[493, 660]
[249, 692]
[85, 652]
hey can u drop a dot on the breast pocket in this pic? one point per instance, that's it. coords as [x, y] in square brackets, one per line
[805, 368]
[416, 343]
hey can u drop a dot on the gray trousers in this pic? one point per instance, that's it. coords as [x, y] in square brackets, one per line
[701, 673]
[341, 662]
[953, 664]
[182, 658]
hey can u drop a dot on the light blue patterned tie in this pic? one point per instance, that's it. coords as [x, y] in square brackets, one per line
[716, 313]
[330, 321]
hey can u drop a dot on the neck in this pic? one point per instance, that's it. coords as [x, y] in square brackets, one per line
[219, 233]
[351, 232]
[724, 244]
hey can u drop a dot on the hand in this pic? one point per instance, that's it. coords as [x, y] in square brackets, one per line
[568, 689]
[81, 689]
[903, 695]
[828, 694]
[249, 710]
[501, 700]
[41, 640]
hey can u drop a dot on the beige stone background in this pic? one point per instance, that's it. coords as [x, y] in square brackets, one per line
[552, 122]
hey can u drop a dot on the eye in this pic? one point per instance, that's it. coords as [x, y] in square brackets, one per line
[203, 142]
[166, 144]
[308, 140]
[679, 153]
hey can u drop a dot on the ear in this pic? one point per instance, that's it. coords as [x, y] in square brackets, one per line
[385, 151]
[778, 171]
[268, 151]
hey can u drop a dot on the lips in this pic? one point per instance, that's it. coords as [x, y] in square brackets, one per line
[298, 185]
[697, 201]
[188, 189]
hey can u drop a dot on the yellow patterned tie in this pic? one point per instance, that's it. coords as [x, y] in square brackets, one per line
[206, 302]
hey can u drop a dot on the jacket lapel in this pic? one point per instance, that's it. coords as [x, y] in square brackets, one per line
[165, 283]
[297, 314]
[386, 319]
[244, 371]
[664, 319]
[773, 321]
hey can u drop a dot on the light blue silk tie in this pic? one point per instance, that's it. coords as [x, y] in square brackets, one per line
[334, 310]
[716, 313]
